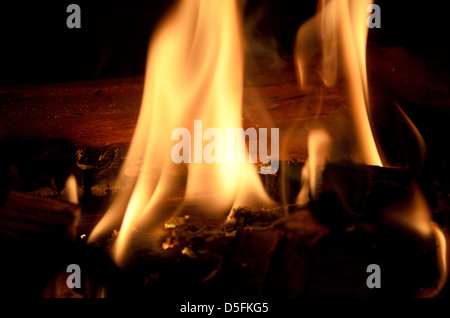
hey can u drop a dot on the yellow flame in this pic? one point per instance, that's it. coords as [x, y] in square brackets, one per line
[319, 151]
[194, 72]
[339, 32]
[71, 188]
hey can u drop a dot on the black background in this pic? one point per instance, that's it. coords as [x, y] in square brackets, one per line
[37, 46]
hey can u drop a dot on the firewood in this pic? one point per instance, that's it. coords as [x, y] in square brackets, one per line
[28, 217]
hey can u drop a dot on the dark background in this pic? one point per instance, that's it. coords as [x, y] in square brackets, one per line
[37, 46]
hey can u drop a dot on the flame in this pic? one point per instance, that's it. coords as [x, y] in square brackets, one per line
[71, 188]
[338, 34]
[194, 72]
[418, 136]
[339, 31]
[442, 259]
[416, 216]
[319, 151]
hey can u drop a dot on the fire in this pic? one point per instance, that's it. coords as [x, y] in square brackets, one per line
[71, 188]
[194, 88]
[340, 32]
[194, 72]
[319, 151]
[442, 260]
[415, 215]
[418, 136]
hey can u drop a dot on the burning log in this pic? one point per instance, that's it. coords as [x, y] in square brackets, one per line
[362, 215]
[318, 250]
[271, 254]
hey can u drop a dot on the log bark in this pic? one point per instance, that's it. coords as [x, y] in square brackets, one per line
[100, 112]
[28, 217]
[38, 237]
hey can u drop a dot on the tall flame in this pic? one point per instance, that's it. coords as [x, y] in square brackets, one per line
[338, 33]
[340, 30]
[194, 72]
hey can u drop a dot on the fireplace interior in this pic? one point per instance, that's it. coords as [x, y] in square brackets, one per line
[70, 100]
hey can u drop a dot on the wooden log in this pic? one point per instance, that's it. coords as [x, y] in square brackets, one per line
[351, 223]
[28, 217]
[99, 112]
[37, 233]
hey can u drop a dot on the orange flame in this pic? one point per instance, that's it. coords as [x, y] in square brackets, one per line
[415, 216]
[340, 31]
[194, 71]
[319, 151]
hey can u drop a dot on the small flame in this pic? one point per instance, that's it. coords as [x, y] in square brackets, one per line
[194, 71]
[416, 215]
[418, 136]
[340, 31]
[71, 189]
[442, 258]
[319, 151]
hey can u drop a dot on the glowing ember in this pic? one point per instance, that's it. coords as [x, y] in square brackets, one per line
[175, 221]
